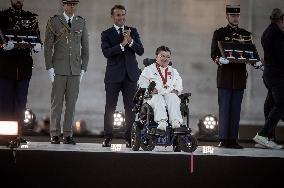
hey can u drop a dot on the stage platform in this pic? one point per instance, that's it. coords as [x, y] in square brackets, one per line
[41, 164]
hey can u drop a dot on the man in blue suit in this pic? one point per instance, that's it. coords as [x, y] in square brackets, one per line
[120, 44]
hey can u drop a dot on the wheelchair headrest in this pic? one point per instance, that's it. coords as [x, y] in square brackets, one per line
[149, 61]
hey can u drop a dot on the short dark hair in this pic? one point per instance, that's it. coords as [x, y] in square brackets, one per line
[121, 7]
[276, 15]
[163, 48]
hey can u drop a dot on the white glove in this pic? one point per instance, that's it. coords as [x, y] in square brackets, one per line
[51, 74]
[257, 65]
[8, 46]
[223, 61]
[81, 75]
[37, 47]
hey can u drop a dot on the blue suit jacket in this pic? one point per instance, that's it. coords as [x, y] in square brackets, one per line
[120, 63]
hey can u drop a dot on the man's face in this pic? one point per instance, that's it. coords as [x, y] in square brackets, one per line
[163, 58]
[118, 17]
[17, 4]
[69, 8]
[233, 19]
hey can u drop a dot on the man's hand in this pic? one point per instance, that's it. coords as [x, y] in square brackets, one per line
[81, 75]
[126, 35]
[8, 46]
[223, 61]
[51, 74]
[124, 42]
[37, 47]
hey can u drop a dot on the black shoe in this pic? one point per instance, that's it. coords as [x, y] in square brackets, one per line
[235, 145]
[223, 144]
[128, 143]
[54, 140]
[69, 140]
[106, 142]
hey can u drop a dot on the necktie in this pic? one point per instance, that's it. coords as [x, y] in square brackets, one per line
[120, 34]
[69, 22]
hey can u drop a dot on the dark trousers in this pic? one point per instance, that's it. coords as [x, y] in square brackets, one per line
[13, 100]
[275, 85]
[128, 89]
[230, 101]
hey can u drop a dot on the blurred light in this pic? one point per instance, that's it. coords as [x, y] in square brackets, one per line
[115, 147]
[8, 128]
[208, 127]
[29, 117]
[207, 149]
[9, 132]
[80, 128]
[118, 120]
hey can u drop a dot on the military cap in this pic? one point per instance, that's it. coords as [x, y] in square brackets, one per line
[276, 14]
[233, 9]
[70, 1]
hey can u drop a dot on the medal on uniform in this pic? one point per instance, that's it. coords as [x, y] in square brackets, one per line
[164, 79]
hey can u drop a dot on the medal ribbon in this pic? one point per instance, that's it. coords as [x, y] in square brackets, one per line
[164, 79]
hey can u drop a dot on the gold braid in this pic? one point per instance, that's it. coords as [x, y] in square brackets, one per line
[58, 35]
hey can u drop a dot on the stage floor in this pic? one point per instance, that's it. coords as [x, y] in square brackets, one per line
[201, 150]
[41, 164]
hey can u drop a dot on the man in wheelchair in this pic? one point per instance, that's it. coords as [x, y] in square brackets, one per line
[165, 94]
[158, 104]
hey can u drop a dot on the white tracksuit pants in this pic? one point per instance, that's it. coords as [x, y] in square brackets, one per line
[160, 103]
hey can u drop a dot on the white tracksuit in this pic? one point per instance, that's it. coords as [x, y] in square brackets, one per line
[164, 99]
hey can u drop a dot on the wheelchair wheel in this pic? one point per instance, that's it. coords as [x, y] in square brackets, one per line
[176, 146]
[187, 143]
[148, 144]
[135, 137]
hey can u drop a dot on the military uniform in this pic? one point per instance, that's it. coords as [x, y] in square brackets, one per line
[231, 81]
[67, 52]
[15, 65]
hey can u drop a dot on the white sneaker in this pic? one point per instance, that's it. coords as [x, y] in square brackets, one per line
[175, 124]
[260, 146]
[162, 125]
[265, 142]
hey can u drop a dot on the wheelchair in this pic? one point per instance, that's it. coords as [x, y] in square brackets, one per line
[144, 132]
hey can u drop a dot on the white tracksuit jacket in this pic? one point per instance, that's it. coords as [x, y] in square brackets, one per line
[164, 99]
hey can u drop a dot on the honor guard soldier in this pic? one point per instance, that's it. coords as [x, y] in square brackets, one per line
[231, 78]
[16, 62]
[66, 57]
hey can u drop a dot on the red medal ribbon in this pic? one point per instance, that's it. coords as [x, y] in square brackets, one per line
[164, 79]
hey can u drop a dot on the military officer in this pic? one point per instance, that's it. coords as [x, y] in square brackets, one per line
[16, 62]
[66, 57]
[231, 78]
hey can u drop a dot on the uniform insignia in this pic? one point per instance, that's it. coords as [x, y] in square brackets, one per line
[78, 31]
